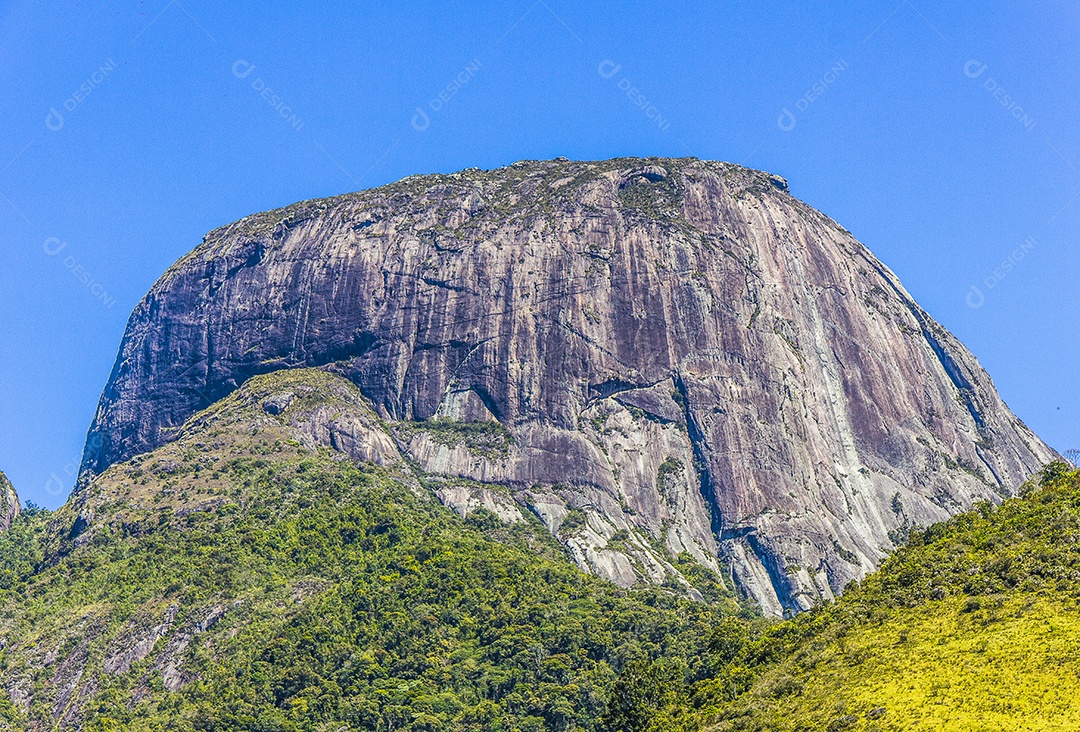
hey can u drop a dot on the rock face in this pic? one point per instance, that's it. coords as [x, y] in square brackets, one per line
[9, 503]
[678, 352]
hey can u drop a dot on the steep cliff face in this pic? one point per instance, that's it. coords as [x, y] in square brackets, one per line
[9, 503]
[674, 356]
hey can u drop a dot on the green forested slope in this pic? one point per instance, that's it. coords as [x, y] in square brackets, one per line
[235, 580]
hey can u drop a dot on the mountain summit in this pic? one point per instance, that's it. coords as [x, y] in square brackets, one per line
[657, 357]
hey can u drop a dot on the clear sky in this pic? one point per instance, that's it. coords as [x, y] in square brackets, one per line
[944, 135]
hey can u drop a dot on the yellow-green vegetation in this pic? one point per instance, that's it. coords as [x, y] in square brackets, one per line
[974, 625]
[1013, 663]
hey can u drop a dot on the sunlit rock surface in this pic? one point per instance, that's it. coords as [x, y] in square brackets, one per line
[678, 350]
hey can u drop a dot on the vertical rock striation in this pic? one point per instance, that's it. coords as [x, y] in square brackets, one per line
[684, 358]
[9, 503]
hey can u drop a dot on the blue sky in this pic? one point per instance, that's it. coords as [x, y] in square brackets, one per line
[943, 135]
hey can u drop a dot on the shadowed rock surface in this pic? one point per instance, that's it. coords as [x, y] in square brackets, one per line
[674, 355]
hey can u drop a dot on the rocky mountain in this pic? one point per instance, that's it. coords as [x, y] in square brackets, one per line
[9, 503]
[676, 356]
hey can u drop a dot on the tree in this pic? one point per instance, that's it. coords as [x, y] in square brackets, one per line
[642, 690]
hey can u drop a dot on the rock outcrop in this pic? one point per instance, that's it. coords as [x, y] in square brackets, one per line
[9, 503]
[675, 356]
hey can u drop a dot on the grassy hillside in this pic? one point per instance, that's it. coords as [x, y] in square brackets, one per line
[237, 580]
[975, 625]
